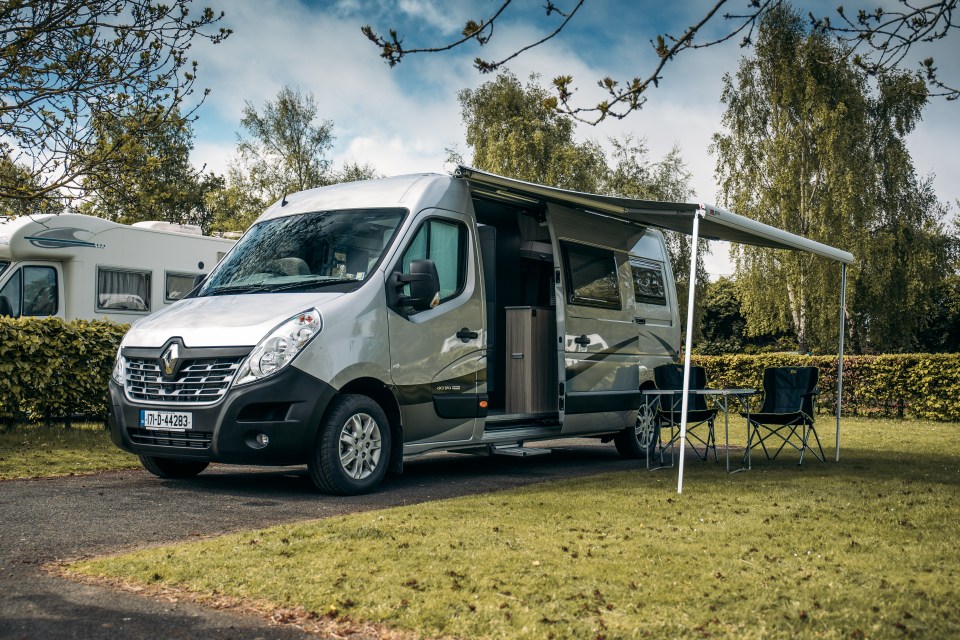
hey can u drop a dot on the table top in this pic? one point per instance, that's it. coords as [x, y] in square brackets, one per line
[700, 392]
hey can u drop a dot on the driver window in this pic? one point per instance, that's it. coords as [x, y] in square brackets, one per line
[444, 242]
[39, 291]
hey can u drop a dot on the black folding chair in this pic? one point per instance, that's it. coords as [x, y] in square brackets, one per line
[670, 377]
[787, 414]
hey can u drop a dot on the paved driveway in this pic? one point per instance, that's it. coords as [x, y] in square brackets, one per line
[66, 518]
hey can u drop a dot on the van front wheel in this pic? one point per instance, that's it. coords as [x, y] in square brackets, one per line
[169, 468]
[352, 451]
[640, 440]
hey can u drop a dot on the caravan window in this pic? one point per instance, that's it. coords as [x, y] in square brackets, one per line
[178, 285]
[32, 291]
[648, 287]
[591, 276]
[122, 290]
[444, 242]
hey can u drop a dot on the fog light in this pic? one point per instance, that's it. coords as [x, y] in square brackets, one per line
[262, 439]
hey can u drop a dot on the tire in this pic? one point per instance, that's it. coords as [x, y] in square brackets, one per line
[337, 465]
[641, 440]
[169, 468]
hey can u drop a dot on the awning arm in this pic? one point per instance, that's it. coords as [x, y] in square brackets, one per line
[691, 289]
[843, 305]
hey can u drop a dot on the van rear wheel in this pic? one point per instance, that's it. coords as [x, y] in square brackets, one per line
[170, 468]
[352, 451]
[642, 439]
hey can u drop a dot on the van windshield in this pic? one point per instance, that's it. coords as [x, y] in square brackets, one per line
[305, 251]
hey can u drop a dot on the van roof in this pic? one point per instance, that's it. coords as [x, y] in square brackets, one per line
[408, 191]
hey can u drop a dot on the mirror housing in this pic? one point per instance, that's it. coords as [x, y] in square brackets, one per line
[424, 286]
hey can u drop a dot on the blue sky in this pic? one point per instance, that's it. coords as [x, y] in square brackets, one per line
[401, 120]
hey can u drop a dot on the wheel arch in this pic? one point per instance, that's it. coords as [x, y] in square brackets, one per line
[383, 396]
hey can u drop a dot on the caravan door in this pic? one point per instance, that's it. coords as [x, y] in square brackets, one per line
[437, 356]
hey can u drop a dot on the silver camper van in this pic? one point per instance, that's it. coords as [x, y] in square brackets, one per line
[357, 325]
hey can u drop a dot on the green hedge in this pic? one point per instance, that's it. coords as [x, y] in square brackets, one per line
[923, 385]
[52, 370]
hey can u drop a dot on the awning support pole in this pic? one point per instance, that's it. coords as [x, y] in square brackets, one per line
[843, 324]
[689, 341]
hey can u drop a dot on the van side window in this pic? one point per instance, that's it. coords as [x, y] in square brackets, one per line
[121, 290]
[444, 242]
[178, 285]
[32, 291]
[648, 287]
[591, 276]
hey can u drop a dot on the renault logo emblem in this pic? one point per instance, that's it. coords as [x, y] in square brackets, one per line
[170, 358]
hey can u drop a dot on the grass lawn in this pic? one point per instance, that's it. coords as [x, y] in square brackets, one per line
[34, 451]
[868, 548]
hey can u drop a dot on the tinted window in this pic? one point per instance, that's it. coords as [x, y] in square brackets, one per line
[32, 291]
[591, 276]
[123, 290]
[178, 285]
[39, 291]
[306, 251]
[648, 285]
[444, 242]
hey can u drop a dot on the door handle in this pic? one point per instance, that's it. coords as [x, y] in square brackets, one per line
[582, 340]
[640, 320]
[466, 335]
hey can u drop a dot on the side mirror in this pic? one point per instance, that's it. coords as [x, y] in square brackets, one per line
[6, 309]
[424, 286]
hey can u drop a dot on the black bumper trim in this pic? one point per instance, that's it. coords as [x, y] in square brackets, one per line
[227, 429]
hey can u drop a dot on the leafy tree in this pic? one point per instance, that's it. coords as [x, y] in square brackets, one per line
[878, 40]
[809, 149]
[511, 132]
[164, 186]
[286, 148]
[14, 174]
[65, 63]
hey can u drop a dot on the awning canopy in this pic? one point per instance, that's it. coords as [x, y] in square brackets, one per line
[695, 220]
[715, 223]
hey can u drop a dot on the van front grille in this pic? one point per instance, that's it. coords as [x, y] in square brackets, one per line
[200, 381]
[181, 439]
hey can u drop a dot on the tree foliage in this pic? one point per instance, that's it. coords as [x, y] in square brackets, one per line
[285, 149]
[512, 133]
[65, 63]
[878, 40]
[164, 186]
[810, 149]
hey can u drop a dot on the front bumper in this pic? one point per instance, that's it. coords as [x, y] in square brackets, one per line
[287, 408]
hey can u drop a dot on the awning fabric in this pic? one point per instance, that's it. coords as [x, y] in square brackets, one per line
[715, 223]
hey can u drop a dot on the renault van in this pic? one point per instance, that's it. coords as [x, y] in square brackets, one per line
[358, 325]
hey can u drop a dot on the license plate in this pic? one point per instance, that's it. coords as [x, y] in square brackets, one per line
[167, 420]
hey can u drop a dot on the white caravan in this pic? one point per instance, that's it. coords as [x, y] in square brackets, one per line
[75, 266]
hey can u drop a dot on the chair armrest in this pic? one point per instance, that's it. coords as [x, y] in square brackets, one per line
[815, 392]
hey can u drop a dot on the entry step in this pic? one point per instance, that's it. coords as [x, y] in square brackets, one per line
[520, 452]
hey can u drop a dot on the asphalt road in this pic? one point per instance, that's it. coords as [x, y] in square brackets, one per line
[69, 518]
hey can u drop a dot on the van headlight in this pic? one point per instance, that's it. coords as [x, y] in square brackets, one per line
[119, 365]
[280, 347]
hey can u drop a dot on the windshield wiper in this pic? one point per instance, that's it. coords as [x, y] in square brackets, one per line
[310, 283]
[238, 288]
[264, 287]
